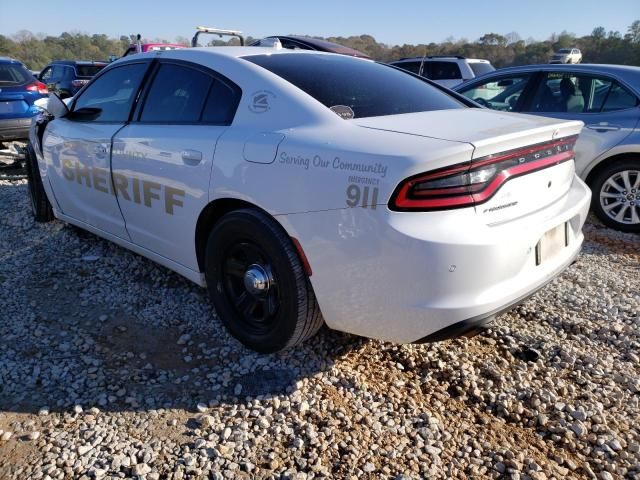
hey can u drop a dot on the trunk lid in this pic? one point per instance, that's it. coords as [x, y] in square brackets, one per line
[14, 101]
[496, 135]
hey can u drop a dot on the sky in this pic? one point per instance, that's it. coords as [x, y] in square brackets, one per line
[392, 22]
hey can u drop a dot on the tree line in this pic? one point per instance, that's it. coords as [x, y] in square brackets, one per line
[35, 51]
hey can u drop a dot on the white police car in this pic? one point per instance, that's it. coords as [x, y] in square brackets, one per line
[292, 183]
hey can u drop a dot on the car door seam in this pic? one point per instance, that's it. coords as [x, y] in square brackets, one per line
[113, 185]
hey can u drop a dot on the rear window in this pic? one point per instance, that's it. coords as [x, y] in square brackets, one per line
[88, 70]
[14, 74]
[480, 68]
[369, 89]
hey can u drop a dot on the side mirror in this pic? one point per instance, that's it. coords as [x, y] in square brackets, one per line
[56, 107]
[505, 83]
[85, 114]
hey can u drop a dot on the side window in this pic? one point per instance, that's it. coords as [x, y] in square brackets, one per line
[443, 71]
[57, 73]
[113, 93]
[577, 93]
[45, 75]
[566, 93]
[177, 94]
[413, 67]
[499, 94]
[221, 105]
[619, 99]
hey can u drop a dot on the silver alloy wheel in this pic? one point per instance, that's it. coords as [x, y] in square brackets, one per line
[620, 197]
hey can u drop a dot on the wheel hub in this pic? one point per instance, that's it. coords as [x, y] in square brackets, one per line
[620, 197]
[257, 280]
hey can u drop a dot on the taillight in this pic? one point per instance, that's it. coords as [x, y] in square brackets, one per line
[37, 87]
[472, 183]
[79, 83]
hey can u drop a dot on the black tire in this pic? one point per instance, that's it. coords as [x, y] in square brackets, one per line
[40, 206]
[629, 220]
[282, 315]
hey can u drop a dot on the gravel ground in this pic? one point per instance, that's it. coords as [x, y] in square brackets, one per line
[112, 367]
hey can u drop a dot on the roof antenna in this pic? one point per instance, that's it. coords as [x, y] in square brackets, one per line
[422, 62]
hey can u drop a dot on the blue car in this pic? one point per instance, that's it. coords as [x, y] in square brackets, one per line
[607, 99]
[18, 90]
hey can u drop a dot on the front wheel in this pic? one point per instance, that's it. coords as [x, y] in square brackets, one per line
[40, 206]
[257, 283]
[616, 195]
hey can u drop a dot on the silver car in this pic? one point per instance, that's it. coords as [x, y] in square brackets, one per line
[607, 99]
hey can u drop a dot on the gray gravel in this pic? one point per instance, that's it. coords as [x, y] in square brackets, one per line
[113, 367]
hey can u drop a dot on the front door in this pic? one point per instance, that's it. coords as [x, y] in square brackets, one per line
[77, 149]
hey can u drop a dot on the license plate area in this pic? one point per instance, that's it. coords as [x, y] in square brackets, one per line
[13, 106]
[552, 243]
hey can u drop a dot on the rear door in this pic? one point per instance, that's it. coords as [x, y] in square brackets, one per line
[165, 156]
[77, 148]
[609, 110]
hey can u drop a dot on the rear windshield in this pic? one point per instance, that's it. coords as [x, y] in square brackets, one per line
[14, 74]
[88, 70]
[480, 68]
[367, 88]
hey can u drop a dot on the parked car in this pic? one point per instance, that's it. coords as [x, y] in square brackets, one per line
[566, 55]
[290, 42]
[447, 71]
[607, 99]
[18, 92]
[394, 208]
[66, 77]
[294, 42]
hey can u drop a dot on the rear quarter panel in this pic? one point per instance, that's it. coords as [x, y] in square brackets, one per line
[326, 167]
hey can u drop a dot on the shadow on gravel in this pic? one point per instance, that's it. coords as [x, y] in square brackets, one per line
[120, 363]
[88, 323]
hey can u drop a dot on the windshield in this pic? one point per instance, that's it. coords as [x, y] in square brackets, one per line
[88, 70]
[356, 88]
[564, 50]
[13, 74]
[480, 68]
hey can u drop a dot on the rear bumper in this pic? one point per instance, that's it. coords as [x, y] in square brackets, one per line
[403, 276]
[474, 326]
[15, 128]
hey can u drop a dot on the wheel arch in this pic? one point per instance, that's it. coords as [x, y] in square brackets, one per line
[607, 162]
[219, 207]
[209, 216]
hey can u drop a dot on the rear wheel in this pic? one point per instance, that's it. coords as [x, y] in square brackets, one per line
[40, 206]
[257, 283]
[616, 195]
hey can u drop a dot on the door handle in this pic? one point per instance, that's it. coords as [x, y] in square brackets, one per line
[192, 157]
[603, 127]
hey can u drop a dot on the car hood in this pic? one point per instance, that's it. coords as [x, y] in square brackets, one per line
[482, 128]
